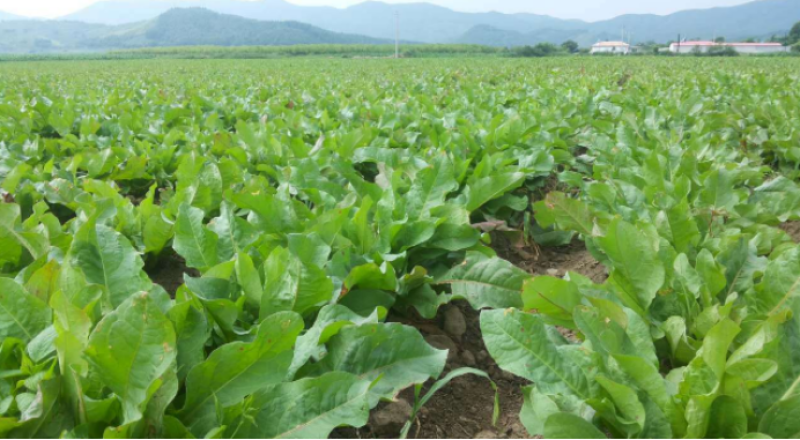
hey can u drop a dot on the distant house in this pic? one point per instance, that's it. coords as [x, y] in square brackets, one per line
[612, 47]
[746, 48]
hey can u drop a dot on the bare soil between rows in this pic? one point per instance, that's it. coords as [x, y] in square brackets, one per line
[792, 228]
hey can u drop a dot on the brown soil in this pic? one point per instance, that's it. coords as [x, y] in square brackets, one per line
[463, 409]
[168, 271]
[793, 229]
[555, 261]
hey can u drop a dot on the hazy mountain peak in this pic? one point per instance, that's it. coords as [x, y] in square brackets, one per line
[4, 16]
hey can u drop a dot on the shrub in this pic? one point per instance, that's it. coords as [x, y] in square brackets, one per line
[540, 50]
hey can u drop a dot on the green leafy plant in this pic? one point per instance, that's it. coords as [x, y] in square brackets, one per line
[186, 247]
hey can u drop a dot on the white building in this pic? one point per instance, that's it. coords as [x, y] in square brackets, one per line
[746, 48]
[612, 47]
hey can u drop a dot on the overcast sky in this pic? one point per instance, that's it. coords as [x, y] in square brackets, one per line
[583, 9]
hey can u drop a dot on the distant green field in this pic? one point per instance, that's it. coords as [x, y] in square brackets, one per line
[253, 248]
[258, 52]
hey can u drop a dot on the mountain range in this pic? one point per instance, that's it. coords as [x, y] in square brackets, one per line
[429, 23]
[130, 23]
[423, 22]
[176, 27]
[5, 16]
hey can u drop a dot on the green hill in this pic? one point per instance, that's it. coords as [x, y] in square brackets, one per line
[201, 27]
[177, 27]
[492, 36]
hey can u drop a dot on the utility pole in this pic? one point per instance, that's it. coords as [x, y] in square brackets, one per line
[397, 34]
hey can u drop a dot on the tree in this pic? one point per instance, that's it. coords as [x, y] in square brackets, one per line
[540, 50]
[719, 40]
[570, 46]
[794, 34]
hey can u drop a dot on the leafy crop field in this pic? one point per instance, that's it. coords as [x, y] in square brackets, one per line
[289, 248]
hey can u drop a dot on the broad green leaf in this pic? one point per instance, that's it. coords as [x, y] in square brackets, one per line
[365, 301]
[330, 320]
[22, 315]
[408, 235]
[716, 346]
[193, 241]
[489, 188]
[238, 369]
[130, 349]
[234, 234]
[698, 415]
[192, 331]
[43, 345]
[396, 354]
[741, 264]
[454, 238]
[157, 231]
[519, 343]
[607, 337]
[552, 297]
[431, 187]
[753, 372]
[13, 239]
[712, 273]
[291, 285]
[782, 420]
[637, 272]
[44, 281]
[424, 299]
[566, 213]
[307, 408]
[372, 276]
[631, 412]
[486, 282]
[781, 283]
[718, 190]
[679, 227]
[248, 277]
[568, 426]
[108, 259]
[727, 419]
[310, 248]
[46, 416]
[645, 376]
[272, 214]
[536, 408]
